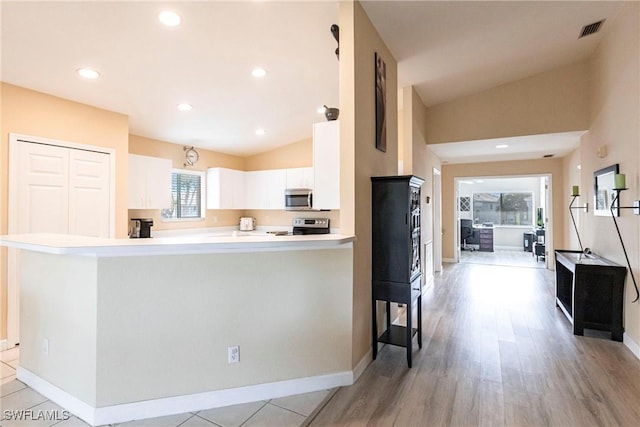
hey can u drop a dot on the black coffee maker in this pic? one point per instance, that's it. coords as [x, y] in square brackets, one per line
[140, 228]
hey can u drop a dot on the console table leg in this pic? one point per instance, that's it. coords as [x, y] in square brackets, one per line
[409, 333]
[420, 321]
[374, 328]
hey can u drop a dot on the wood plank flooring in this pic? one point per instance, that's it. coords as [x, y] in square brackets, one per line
[496, 352]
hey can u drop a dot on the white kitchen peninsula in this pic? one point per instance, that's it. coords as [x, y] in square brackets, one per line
[122, 329]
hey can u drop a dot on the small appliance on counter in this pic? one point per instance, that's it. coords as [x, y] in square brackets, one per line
[247, 224]
[140, 228]
[310, 226]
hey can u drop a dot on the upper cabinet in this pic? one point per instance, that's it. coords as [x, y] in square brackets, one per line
[326, 165]
[299, 178]
[225, 188]
[149, 182]
[265, 189]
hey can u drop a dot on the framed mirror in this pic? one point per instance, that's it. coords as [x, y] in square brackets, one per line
[603, 193]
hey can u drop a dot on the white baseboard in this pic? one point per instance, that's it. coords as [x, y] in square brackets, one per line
[361, 366]
[185, 403]
[428, 283]
[631, 345]
[449, 260]
[3, 345]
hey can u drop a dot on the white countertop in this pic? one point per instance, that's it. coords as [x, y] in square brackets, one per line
[187, 244]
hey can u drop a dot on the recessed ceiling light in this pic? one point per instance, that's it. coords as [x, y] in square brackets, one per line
[258, 72]
[88, 73]
[502, 146]
[260, 131]
[169, 18]
[185, 107]
[579, 167]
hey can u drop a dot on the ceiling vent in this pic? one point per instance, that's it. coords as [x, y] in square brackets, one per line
[587, 30]
[546, 156]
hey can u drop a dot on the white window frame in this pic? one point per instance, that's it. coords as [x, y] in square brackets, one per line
[203, 191]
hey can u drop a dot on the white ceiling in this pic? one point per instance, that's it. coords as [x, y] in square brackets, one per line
[445, 49]
[518, 148]
[147, 68]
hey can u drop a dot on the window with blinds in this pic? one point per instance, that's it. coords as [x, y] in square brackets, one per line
[186, 196]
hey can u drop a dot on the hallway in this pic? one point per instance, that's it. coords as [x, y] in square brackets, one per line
[494, 354]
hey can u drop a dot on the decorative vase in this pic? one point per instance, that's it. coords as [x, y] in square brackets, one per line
[331, 113]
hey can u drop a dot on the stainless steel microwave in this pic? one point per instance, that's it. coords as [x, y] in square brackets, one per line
[298, 199]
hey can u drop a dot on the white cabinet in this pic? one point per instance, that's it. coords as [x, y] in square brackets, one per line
[299, 178]
[326, 165]
[276, 183]
[265, 189]
[149, 182]
[225, 188]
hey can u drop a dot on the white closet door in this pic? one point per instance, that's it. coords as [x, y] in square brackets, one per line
[43, 189]
[54, 189]
[89, 179]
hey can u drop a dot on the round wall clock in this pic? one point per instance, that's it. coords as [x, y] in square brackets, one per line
[191, 156]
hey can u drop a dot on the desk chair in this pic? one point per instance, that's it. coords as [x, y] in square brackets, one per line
[466, 232]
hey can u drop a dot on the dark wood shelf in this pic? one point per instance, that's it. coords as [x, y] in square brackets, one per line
[396, 335]
[395, 257]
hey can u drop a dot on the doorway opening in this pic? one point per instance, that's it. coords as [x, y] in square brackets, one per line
[504, 220]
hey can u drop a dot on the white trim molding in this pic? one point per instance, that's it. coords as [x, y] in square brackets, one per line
[361, 366]
[631, 345]
[185, 403]
[3, 345]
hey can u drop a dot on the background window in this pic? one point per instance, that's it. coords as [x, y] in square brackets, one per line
[465, 204]
[186, 196]
[503, 208]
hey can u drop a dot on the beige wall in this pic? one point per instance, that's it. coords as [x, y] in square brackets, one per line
[572, 176]
[175, 152]
[615, 122]
[553, 167]
[360, 160]
[417, 159]
[296, 155]
[550, 102]
[37, 114]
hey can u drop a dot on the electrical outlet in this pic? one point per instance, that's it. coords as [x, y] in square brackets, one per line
[45, 346]
[233, 354]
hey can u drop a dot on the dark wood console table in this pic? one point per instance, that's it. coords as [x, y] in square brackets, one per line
[589, 291]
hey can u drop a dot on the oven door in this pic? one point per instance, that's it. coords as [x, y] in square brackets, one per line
[298, 199]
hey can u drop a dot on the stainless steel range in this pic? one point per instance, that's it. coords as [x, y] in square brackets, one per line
[311, 226]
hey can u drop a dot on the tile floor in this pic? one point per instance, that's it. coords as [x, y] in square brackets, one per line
[296, 410]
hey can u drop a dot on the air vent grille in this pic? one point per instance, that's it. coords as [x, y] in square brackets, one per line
[546, 156]
[587, 30]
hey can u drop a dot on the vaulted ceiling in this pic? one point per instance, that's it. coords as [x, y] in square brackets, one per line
[446, 49]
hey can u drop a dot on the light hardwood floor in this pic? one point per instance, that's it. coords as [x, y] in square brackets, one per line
[496, 352]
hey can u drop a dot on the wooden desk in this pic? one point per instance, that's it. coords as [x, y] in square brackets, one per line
[589, 291]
